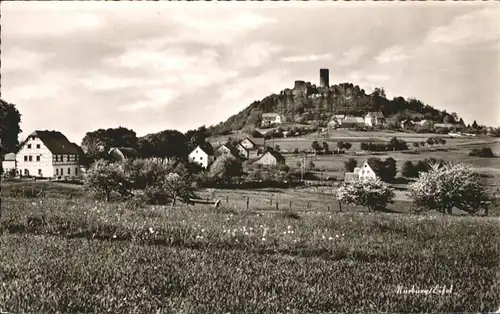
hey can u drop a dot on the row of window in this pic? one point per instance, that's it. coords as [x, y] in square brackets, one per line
[30, 158]
[37, 146]
[69, 171]
[57, 158]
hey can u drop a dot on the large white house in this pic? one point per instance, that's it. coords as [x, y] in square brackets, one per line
[363, 172]
[204, 156]
[48, 154]
[271, 118]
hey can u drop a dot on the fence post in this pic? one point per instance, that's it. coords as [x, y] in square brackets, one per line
[271, 201]
[32, 191]
[248, 201]
[227, 198]
[290, 204]
[340, 206]
[277, 206]
[328, 206]
[23, 191]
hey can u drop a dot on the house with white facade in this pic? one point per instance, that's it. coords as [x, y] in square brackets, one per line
[364, 172]
[251, 147]
[202, 155]
[271, 118]
[227, 149]
[48, 154]
[9, 162]
[271, 158]
[374, 118]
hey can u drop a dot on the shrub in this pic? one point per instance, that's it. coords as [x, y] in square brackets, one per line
[443, 188]
[225, 168]
[408, 170]
[105, 178]
[372, 193]
[485, 152]
[350, 164]
[397, 144]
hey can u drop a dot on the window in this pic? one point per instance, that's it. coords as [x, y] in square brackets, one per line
[56, 157]
[57, 172]
[201, 158]
[25, 158]
[37, 145]
[40, 172]
[69, 171]
[33, 138]
[76, 171]
[37, 158]
[30, 158]
[29, 146]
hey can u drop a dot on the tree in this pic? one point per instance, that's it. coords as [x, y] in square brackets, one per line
[105, 178]
[164, 144]
[441, 141]
[97, 143]
[416, 144]
[389, 169]
[448, 119]
[350, 164]
[316, 147]
[372, 193]
[343, 145]
[9, 127]
[430, 141]
[196, 137]
[475, 125]
[483, 152]
[326, 148]
[225, 168]
[408, 170]
[452, 185]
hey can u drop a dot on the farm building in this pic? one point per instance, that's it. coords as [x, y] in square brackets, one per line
[48, 154]
[202, 155]
[405, 124]
[271, 118]
[351, 122]
[271, 158]
[122, 153]
[374, 118]
[9, 162]
[228, 150]
[366, 171]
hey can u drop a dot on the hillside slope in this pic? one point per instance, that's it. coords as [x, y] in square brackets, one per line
[307, 102]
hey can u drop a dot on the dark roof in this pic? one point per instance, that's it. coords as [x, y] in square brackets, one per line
[207, 148]
[56, 142]
[375, 167]
[276, 155]
[232, 149]
[128, 152]
[256, 141]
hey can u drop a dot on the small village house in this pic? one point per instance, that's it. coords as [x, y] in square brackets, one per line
[243, 152]
[271, 158]
[366, 171]
[424, 123]
[202, 155]
[122, 153]
[374, 118]
[352, 122]
[335, 121]
[9, 162]
[406, 124]
[253, 146]
[228, 150]
[270, 118]
[48, 154]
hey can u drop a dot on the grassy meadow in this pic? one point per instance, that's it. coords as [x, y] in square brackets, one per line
[81, 256]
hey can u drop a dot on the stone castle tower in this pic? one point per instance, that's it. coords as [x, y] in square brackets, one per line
[324, 78]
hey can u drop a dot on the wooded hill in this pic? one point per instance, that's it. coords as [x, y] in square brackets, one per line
[306, 102]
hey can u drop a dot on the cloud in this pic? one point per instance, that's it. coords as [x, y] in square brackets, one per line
[392, 54]
[480, 26]
[307, 58]
[352, 56]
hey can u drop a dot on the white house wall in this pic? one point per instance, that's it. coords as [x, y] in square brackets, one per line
[46, 166]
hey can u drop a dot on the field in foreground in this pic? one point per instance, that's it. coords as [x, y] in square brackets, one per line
[73, 256]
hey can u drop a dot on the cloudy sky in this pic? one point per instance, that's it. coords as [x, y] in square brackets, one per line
[150, 66]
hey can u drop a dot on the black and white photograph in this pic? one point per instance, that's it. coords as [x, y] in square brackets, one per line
[250, 157]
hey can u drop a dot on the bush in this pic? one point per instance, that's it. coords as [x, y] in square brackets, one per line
[408, 170]
[105, 178]
[350, 164]
[372, 193]
[485, 152]
[397, 144]
[443, 188]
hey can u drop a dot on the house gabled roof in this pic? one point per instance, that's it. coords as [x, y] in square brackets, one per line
[275, 154]
[128, 152]
[350, 119]
[207, 148]
[255, 141]
[56, 142]
[234, 151]
[373, 166]
[375, 114]
[407, 121]
[270, 115]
